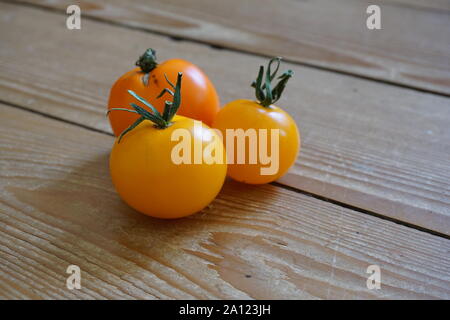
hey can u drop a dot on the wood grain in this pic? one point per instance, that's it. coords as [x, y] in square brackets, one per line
[413, 47]
[370, 145]
[58, 207]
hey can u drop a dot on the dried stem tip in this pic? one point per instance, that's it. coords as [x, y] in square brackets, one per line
[147, 61]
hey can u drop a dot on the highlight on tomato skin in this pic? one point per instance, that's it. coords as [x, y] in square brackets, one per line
[142, 166]
[260, 116]
[200, 100]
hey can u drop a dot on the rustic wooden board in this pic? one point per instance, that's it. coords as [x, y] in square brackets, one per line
[413, 47]
[58, 207]
[370, 145]
[438, 5]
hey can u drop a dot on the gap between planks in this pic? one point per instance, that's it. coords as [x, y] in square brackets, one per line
[278, 184]
[230, 49]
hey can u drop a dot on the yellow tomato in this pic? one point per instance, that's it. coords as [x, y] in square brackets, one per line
[262, 117]
[251, 115]
[146, 178]
[145, 161]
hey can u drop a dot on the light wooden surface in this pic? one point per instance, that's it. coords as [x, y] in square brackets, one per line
[413, 49]
[370, 145]
[371, 150]
[59, 208]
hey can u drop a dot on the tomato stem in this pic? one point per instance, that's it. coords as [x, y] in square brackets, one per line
[147, 61]
[263, 91]
[161, 121]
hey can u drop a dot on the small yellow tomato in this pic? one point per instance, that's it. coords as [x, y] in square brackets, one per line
[148, 177]
[254, 116]
[145, 176]
[262, 117]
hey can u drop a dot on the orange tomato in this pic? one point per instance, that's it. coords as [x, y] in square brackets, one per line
[200, 99]
[257, 115]
[147, 177]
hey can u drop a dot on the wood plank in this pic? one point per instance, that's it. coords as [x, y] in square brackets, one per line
[370, 145]
[440, 5]
[413, 47]
[58, 207]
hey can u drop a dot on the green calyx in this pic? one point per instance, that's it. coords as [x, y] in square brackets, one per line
[160, 121]
[263, 90]
[147, 62]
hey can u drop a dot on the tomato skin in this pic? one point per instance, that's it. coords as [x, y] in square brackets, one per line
[147, 179]
[247, 114]
[199, 97]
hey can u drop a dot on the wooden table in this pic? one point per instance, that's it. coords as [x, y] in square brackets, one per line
[371, 185]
